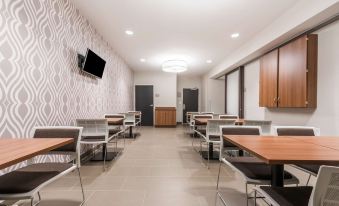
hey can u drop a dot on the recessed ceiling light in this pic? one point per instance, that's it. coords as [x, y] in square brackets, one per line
[142, 60]
[208, 61]
[235, 35]
[129, 32]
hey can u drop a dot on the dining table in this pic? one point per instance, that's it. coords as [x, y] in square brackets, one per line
[279, 151]
[16, 150]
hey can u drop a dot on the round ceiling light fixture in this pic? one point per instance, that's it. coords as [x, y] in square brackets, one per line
[175, 66]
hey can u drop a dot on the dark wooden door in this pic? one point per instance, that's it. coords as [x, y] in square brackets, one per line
[292, 74]
[190, 101]
[268, 91]
[144, 103]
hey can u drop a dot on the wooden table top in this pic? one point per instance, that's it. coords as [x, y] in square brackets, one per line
[13, 151]
[115, 120]
[326, 141]
[204, 120]
[288, 149]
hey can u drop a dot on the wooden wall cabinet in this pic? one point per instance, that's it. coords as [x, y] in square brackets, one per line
[288, 75]
[165, 117]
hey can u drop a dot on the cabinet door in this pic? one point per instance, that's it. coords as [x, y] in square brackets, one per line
[292, 74]
[268, 80]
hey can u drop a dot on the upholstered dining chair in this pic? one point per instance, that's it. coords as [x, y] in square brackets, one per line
[26, 182]
[253, 170]
[325, 192]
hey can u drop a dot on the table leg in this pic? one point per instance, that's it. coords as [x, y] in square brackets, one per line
[100, 156]
[131, 132]
[212, 155]
[277, 175]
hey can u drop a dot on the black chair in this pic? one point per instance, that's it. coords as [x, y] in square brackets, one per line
[26, 182]
[253, 170]
[324, 193]
[300, 131]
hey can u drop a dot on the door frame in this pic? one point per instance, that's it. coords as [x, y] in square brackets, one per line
[241, 100]
[182, 105]
[134, 102]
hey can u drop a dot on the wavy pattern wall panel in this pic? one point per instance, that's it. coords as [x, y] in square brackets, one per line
[40, 83]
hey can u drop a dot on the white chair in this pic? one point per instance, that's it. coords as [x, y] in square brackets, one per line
[137, 117]
[114, 128]
[195, 125]
[265, 125]
[253, 170]
[325, 192]
[312, 170]
[130, 122]
[26, 182]
[95, 131]
[212, 134]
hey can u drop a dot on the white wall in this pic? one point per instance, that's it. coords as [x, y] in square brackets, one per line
[187, 82]
[164, 87]
[251, 95]
[326, 115]
[233, 93]
[213, 95]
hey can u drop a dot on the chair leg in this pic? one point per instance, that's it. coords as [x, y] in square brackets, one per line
[82, 188]
[39, 200]
[308, 180]
[255, 197]
[246, 185]
[218, 176]
[208, 156]
[105, 155]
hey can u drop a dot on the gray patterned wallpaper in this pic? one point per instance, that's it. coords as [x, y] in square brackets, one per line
[40, 83]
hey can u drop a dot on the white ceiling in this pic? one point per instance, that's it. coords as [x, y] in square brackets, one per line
[192, 30]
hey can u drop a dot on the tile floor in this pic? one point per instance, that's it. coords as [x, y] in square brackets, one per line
[159, 168]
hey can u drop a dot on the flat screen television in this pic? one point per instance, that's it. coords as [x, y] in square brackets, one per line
[94, 64]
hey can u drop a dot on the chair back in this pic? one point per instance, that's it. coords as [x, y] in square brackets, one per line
[201, 116]
[236, 130]
[228, 116]
[60, 132]
[75, 133]
[296, 131]
[207, 113]
[213, 126]
[114, 116]
[129, 119]
[326, 189]
[264, 124]
[97, 128]
[189, 116]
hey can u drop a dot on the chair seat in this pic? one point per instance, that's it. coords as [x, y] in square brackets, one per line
[289, 196]
[93, 138]
[114, 131]
[202, 131]
[311, 168]
[214, 138]
[254, 168]
[30, 177]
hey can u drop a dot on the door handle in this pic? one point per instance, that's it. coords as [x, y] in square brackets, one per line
[183, 106]
[151, 105]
